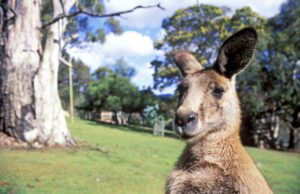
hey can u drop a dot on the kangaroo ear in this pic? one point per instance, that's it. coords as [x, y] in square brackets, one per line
[236, 52]
[186, 62]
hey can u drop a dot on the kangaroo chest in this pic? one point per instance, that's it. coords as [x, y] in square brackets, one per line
[205, 179]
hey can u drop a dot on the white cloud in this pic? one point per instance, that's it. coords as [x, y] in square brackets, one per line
[161, 34]
[130, 44]
[88, 53]
[153, 17]
[144, 75]
[137, 48]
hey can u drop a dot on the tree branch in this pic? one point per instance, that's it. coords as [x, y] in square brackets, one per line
[81, 11]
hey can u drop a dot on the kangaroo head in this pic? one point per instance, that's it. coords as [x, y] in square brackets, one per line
[207, 96]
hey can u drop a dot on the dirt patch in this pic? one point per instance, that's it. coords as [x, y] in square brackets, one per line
[6, 187]
[10, 142]
[4, 184]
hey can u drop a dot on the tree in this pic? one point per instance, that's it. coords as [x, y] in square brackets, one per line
[273, 109]
[98, 92]
[114, 93]
[283, 54]
[112, 90]
[32, 110]
[30, 105]
[123, 99]
[81, 78]
[123, 69]
[198, 29]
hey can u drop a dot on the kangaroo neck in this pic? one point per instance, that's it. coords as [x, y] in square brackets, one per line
[213, 149]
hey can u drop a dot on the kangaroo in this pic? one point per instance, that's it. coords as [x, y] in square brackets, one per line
[208, 118]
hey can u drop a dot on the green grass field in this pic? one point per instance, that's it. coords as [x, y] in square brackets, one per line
[115, 160]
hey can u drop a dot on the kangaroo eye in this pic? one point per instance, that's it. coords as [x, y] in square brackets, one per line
[218, 92]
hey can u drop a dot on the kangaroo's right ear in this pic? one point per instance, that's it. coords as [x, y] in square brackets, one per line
[236, 52]
[186, 62]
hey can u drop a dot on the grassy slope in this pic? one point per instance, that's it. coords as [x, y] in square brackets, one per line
[119, 160]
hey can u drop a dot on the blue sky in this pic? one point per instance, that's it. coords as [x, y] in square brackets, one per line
[143, 27]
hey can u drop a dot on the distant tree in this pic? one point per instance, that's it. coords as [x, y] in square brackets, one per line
[114, 93]
[98, 91]
[148, 98]
[114, 25]
[198, 29]
[123, 69]
[81, 78]
[123, 99]
[101, 72]
[112, 90]
[167, 105]
[284, 56]
[269, 88]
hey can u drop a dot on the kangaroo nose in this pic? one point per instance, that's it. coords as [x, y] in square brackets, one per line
[184, 119]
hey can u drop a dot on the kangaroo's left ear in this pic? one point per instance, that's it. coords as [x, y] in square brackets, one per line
[236, 52]
[186, 62]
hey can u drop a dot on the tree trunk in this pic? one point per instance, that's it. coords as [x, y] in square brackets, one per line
[116, 117]
[294, 129]
[31, 110]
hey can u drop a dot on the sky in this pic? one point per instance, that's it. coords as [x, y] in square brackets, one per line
[142, 28]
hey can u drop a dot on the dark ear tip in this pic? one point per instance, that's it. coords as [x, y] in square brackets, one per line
[249, 31]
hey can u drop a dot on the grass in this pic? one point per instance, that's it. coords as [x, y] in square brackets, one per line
[119, 160]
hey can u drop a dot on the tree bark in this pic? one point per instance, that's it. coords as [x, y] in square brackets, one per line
[294, 130]
[30, 106]
[52, 122]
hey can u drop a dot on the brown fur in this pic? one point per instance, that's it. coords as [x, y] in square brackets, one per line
[214, 161]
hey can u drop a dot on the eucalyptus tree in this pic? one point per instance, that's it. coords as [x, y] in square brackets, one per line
[32, 37]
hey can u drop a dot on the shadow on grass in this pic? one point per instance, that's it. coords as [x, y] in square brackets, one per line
[132, 128]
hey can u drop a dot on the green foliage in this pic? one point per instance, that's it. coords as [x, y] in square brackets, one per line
[120, 160]
[113, 25]
[111, 90]
[114, 93]
[123, 69]
[81, 23]
[92, 6]
[98, 91]
[196, 29]
[270, 85]
[123, 95]
[81, 78]
[284, 54]
[99, 35]
[47, 10]
[200, 30]
[78, 25]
